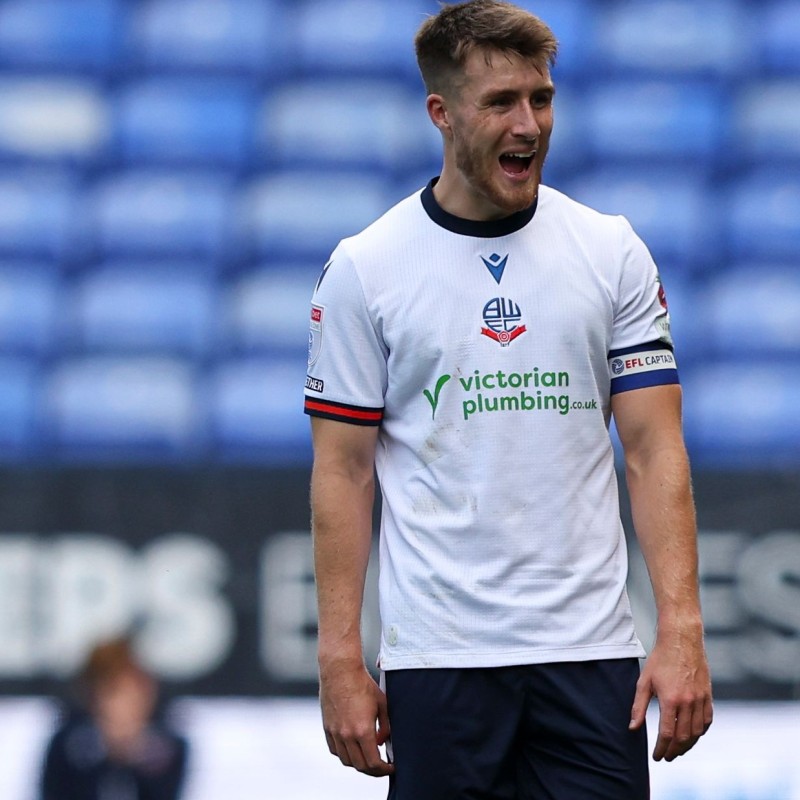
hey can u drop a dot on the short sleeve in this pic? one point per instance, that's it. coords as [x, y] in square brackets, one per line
[347, 373]
[641, 352]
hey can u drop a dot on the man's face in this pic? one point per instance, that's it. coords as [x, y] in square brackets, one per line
[122, 706]
[500, 120]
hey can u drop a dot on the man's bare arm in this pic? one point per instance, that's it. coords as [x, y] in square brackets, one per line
[342, 497]
[659, 484]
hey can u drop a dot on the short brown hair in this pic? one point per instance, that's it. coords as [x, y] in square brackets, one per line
[445, 40]
[109, 659]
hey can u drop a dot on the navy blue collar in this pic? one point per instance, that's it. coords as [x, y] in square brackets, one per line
[485, 229]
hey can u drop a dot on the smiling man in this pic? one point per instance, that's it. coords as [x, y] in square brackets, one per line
[471, 347]
[496, 120]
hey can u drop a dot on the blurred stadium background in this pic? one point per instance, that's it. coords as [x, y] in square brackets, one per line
[173, 174]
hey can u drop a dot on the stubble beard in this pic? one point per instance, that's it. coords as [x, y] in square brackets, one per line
[478, 171]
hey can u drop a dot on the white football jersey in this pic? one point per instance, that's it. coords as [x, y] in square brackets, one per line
[487, 352]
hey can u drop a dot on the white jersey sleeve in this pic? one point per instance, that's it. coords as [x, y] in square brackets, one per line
[641, 352]
[346, 360]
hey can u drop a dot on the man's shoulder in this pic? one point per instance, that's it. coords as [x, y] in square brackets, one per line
[577, 220]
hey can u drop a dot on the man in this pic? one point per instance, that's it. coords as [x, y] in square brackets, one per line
[115, 748]
[472, 344]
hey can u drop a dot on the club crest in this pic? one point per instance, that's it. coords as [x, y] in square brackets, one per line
[502, 318]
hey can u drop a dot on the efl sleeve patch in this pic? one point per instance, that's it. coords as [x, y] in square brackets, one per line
[644, 365]
[342, 412]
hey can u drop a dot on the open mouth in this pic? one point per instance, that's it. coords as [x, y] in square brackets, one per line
[517, 164]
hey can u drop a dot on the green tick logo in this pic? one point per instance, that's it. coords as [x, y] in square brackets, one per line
[433, 399]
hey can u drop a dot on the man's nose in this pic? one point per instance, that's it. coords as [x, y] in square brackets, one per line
[526, 124]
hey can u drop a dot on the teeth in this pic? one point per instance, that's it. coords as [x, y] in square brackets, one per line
[521, 155]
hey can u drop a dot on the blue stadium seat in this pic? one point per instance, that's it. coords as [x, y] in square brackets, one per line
[763, 214]
[52, 120]
[406, 185]
[61, 36]
[18, 409]
[569, 145]
[128, 308]
[266, 310]
[158, 213]
[674, 37]
[673, 211]
[247, 37]
[754, 309]
[778, 29]
[355, 123]
[178, 121]
[366, 37]
[121, 409]
[256, 409]
[655, 120]
[572, 22]
[767, 122]
[740, 414]
[30, 302]
[301, 215]
[686, 316]
[37, 214]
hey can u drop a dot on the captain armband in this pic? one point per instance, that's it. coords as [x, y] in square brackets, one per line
[643, 365]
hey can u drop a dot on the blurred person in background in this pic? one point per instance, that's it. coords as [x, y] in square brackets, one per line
[114, 746]
[473, 344]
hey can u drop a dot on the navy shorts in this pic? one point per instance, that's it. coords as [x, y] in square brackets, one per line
[539, 731]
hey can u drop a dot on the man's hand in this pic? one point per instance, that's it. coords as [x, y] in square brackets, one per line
[677, 674]
[352, 703]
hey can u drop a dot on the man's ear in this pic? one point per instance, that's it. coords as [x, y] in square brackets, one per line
[437, 111]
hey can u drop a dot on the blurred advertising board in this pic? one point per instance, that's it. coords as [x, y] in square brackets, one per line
[213, 568]
[275, 747]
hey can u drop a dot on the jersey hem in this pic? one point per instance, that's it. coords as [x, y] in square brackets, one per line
[343, 412]
[509, 658]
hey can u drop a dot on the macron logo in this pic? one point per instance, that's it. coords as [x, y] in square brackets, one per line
[495, 264]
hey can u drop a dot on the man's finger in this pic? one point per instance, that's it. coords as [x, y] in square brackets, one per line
[384, 728]
[359, 752]
[343, 753]
[356, 756]
[666, 731]
[366, 758]
[662, 744]
[640, 702]
[682, 738]
[708, 713]
[331, 743]
[699, 726]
